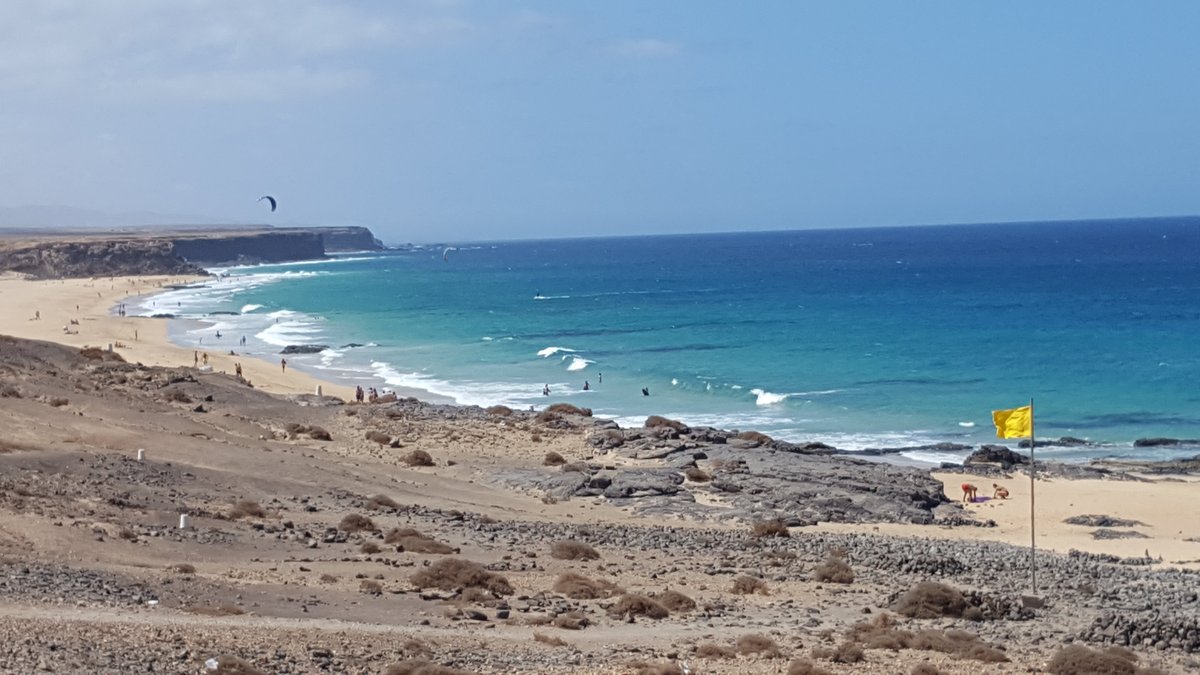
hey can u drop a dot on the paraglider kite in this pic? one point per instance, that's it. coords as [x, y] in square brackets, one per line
[270, 199]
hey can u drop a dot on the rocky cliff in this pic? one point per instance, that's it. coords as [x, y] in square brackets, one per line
[54, 259]
[349, 239]
[257, 247]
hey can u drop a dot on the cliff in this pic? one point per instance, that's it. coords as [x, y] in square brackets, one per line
[260, 247]
[349, 239]
[119, 257]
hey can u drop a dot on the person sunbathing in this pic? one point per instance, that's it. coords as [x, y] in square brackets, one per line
[999, 492]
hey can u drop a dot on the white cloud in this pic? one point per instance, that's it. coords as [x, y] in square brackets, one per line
[646, 48]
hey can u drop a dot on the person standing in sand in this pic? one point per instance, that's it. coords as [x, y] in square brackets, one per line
[970, 492]
[283, 365]
[195, 359]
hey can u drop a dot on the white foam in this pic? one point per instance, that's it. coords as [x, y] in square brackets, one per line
[287, 333]
[551, 351]
[966, 425]
[763, 397]
[246, 309]
[578, 363]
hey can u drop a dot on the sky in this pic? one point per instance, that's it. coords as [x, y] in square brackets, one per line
[444, 120]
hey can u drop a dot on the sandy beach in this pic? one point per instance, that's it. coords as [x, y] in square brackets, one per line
[311, 523]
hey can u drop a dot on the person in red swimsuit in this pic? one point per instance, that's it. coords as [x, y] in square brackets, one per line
[969, 492]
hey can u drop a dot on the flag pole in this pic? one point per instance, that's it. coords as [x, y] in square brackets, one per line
[1032, 520]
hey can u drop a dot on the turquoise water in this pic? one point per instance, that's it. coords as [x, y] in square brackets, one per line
[858, 338]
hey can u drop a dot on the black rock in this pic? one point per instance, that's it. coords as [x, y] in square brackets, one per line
[304, 349]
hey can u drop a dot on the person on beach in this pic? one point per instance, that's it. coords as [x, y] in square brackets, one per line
[999, 491]
[37, 314]
[204, 358]
[586, 385]
[969, 492]
[283, 365]
[237, 369]
[195, 359]
[546, 390]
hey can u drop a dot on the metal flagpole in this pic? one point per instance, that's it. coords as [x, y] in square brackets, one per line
[1032, 521]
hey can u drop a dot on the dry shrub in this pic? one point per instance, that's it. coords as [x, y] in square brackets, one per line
[762, 645]
[535, 437]
[370, 587]
[806, 667]
[452, 574]
[178, 396]
[97, 354]
[500, 411]
[328, 579]
[224, 609]
[762, 529]
[930, 600]
[675, 601]
[577, 467]
[709, 650]
[421, 667]
[183, 568]
[380, 502]
[1081, 660]
[882, 633]
[369, 547]
[926, 669]
[378, 437]
[568, 409]
[755, 437]
[418, 458]
[354, 522]
[574, 620]
[696, 475]
[579, 587]
[319, 434]
[569, 549]
[647, 668]
[550, 640]
[835, 570]
[232, 665]
[9, 391]
[748, 585]
[247, 508]
[632, 604]
[660, 421]
[58, 402]
[553, 459]
[408, 539]
[847, 652]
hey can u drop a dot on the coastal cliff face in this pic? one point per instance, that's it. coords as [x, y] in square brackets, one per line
[173, 252]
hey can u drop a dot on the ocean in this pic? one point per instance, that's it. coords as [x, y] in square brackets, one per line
[866, 338]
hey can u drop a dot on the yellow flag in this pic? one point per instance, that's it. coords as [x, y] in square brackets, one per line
[1014, 423]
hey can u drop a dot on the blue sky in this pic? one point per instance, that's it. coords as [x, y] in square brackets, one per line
[440, 120]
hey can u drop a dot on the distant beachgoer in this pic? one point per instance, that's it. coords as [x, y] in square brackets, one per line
[645, 391]
[204, 358]
[970, 492]
[218, 335]
[999, 491]
[586, 385]
[135, 335]
[195, 359]
[237, 369]
[546, 390]
[358, 393]
[283, 365]
[243, 340]
[600, 378]
[37, 315]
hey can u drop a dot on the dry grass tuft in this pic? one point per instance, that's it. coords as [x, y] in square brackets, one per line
[574, 620]
[647, 668]
[328, 579]
[926, 669]
[378, 437]
[806, 667]
[882, 633]
[381, 502]
[748, 585]
[553, 459]
[499, 411]
[369, 547]
[835, 569]
[1081, 660]
[370, 587]
[354, 522]
[709, 650]
[418, 458]
[632, 604]
[421, 667]
[930, 600]
[696, 475]
[660, 421]
[579, 587]
[755, 437]
[569, 549]
[847, 652]
[247, 508]
[550, 640]
[178, 396]
[97, 354]
[224, 609]
[568, 409]
[183, 568]
[577, 467]
[674, 601]
[452, 574]
[58, 402]
[762, 529]
[753, 643]
[232, 665]
[408, 539]
[9, 391]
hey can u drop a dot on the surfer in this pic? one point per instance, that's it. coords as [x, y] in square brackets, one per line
[645, 391]
[586, 385]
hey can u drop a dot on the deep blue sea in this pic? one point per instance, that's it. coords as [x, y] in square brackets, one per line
[865, 338]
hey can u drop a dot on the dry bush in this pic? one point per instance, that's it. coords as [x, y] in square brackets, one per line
[577, 467]
[574, 620]
[696, 475]
[418, 458]
[579, 587]
[660, 421]
[835, 570]
[748, 585]
[1081, 660]
[756, 437]
[232, 665]
[355, 522]
[709, 650]
[847, 652]
[553, 459]
[806, 667]
[421, 667]
[380, 502]
[183, 568]
[926, 669]
[97, 354]
[224, 609]
[499, 411]
[535, 437]
[550, 640]
[9, 391]
[378, 437]
[882, 633]
[58, 402]
[319, 434]
[408, 539]
[328, 579]
[632, 604]
[369, 547]
[647, 668]
[246, 508]
[452, 574]
[930, 600]
[762, 529]
[569, 549]
[370, 587]
[568, 409]
[178, 396]
[753, 643]
[674, 601]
